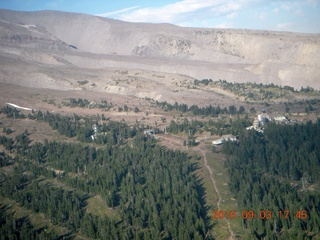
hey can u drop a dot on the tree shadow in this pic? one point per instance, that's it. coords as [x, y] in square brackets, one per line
[201, 198]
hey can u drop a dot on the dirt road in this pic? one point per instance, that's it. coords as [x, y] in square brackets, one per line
[198, 148]
[174, 140]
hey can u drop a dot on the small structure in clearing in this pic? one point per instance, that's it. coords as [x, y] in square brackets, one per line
[224, 138]
[148, 132]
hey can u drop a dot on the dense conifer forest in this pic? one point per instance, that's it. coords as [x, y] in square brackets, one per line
[152, 189]
[278, 171]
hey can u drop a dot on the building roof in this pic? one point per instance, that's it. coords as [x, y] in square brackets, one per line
[281, 118]
[224, 138]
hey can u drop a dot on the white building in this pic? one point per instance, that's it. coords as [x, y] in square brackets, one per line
[148, 131]
[281, 119]
[224, 138]
[264, 117]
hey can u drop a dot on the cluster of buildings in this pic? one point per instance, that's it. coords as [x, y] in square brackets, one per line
[258, 125]
[95, 131]
[262, 119]
[259, 122]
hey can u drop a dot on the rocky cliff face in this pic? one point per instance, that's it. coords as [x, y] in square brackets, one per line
[80, 40]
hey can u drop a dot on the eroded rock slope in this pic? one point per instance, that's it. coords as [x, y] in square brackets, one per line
[59, 39]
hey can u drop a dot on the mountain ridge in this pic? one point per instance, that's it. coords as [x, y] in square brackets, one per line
[239, 55]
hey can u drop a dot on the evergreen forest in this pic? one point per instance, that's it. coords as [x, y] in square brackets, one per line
[278, 172]
[149, 191]
[152, 190]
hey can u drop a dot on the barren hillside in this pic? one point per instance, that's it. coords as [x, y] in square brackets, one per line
[47, 49]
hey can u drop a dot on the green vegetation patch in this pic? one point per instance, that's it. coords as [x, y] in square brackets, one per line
[97, 206]
[257, 91]
[83, 82]
[228, 202]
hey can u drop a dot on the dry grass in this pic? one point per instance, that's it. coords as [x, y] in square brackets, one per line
[97, 206]
[228, 203]
[39, 131]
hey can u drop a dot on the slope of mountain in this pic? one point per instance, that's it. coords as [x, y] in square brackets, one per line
[84, 41]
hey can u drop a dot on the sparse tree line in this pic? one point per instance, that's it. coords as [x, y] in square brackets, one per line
[12, 112]
[81, 127]
[153, 189]
[310, 104]
[274, 172]
[204, 111]
[254, 91]
[125, 108]
[84, 103]
[80, 102]
[219, 127]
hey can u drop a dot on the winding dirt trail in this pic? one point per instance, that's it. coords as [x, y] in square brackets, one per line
[203, 152]
[232, 236]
